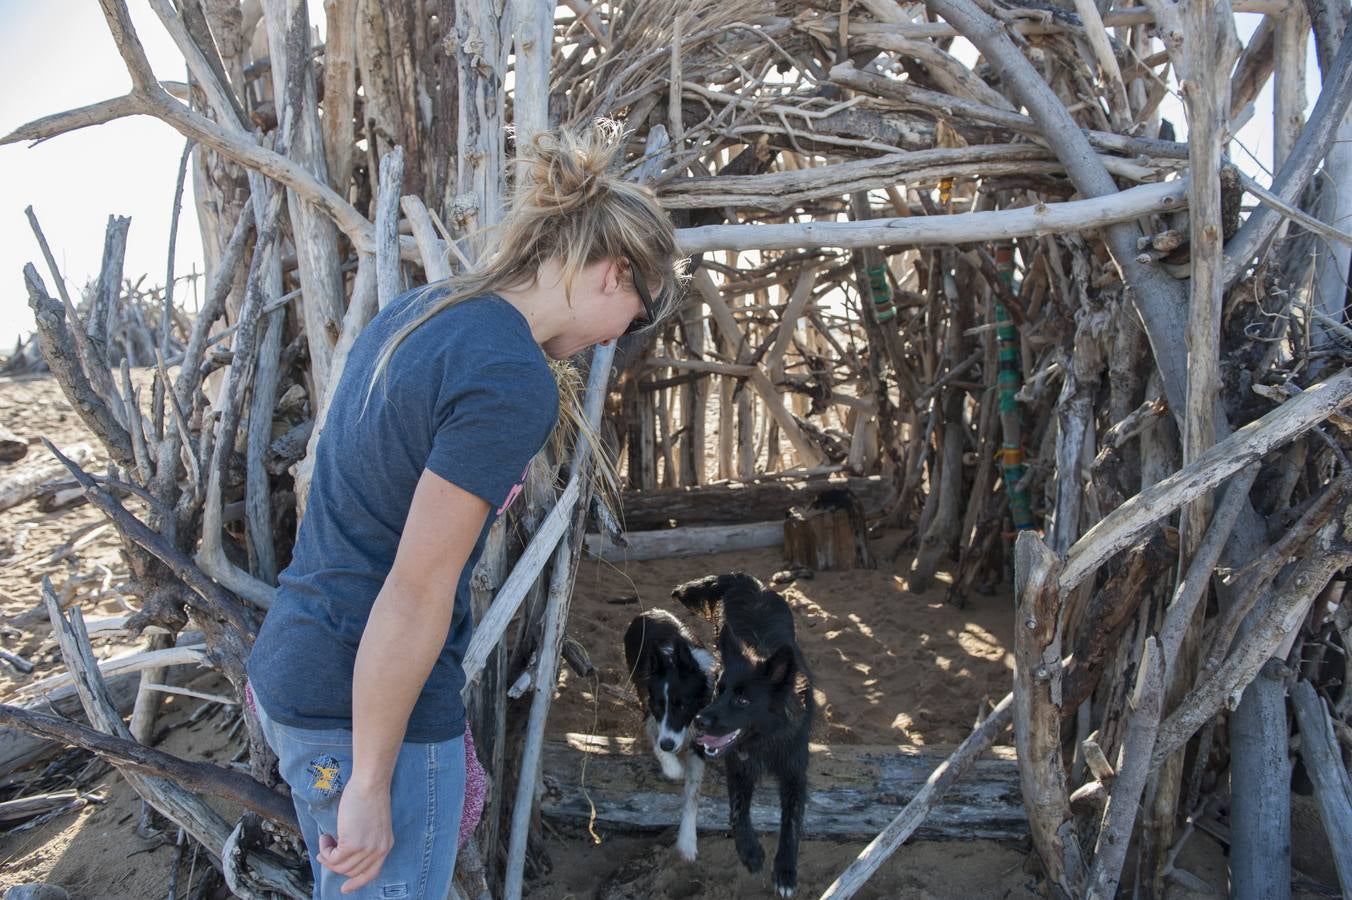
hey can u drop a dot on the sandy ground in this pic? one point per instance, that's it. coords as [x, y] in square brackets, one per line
[893, 668]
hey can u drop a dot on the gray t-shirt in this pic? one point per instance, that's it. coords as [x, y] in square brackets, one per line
[468, 395]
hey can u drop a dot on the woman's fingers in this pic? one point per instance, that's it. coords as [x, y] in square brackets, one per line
[344, 859]
[362, 876]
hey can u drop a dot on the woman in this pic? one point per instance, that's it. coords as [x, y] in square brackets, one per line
[444, 400]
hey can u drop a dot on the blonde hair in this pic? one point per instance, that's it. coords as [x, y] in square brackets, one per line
[567, 204]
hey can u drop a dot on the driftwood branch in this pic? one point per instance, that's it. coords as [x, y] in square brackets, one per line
[1045, 218]
[203, 778]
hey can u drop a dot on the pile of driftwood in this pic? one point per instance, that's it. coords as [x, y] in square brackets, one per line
[948, 255]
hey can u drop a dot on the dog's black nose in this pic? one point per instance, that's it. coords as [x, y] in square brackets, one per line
[668, 744]
[702, 722]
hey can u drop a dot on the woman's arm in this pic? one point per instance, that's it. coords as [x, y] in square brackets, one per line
[403, 637]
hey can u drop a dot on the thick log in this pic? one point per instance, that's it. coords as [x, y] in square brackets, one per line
[26, 483]
[741, 501]
[691, 540]
[313, 231]
[855, 792]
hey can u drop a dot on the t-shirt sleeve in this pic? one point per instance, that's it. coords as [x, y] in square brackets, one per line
[491, 426]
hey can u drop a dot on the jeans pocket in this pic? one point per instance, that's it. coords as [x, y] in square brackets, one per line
[317, 771]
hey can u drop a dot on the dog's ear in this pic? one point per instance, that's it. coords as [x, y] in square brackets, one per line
[780, 667]
[730, 647]
[683, 659]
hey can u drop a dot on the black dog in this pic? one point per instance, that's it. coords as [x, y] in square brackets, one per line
[762, 710]
[673, 675]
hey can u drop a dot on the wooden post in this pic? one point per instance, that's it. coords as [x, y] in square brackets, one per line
[1037, 714]
[693, 398]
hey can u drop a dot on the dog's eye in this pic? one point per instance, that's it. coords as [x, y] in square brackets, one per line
[742, 700]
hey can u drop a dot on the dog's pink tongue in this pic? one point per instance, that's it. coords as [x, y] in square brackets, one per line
[715, 742]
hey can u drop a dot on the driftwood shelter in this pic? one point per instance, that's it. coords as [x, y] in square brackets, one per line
[950, 260]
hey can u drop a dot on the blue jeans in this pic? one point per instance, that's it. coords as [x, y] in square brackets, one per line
[426, 795]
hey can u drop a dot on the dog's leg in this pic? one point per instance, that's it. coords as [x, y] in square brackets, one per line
[741, 788]
[694, 774]
[792, 801]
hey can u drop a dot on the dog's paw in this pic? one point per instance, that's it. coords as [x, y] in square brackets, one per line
[786, 881]
[686, 847]
[751, 855]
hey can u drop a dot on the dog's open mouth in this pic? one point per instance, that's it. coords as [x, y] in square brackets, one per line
[715, 745]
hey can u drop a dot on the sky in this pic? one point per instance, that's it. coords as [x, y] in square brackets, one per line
[57, 54]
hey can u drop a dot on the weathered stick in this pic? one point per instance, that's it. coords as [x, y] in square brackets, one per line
[1126, 523]
[1147, 698]
[1332, 787]
[63, 358]
[1329, 551]
[913, 814]
[1312, 146]
[556, 617]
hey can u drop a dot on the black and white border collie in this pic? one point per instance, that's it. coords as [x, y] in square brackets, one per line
[673, 674]
[761, 714]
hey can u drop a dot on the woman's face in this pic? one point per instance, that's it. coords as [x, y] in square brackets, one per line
[604, 304]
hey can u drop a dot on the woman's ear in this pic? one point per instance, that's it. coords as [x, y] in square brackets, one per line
[616, 274]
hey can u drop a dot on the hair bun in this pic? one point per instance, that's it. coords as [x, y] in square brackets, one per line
[567, 169]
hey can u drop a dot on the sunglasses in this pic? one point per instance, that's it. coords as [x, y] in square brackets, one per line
[649, 318]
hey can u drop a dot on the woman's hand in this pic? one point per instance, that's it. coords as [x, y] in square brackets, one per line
[365, 836]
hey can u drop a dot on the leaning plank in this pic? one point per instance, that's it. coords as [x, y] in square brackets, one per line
[856, 791]
[692, 540]
[922, 805]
